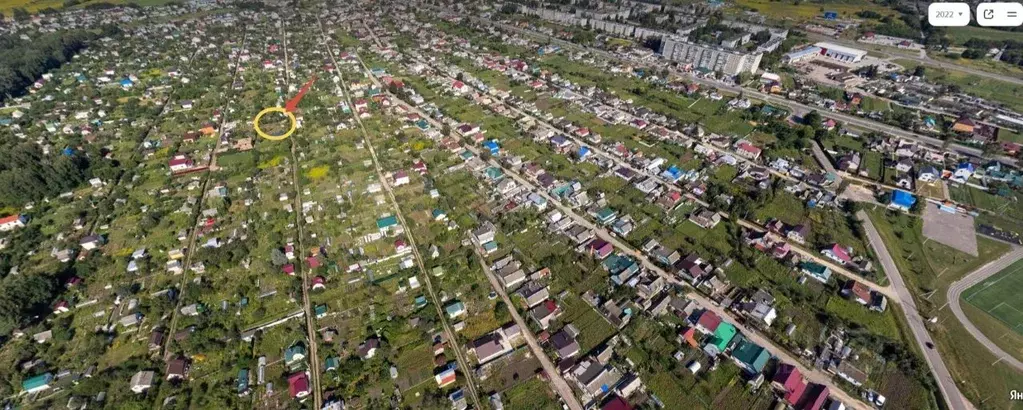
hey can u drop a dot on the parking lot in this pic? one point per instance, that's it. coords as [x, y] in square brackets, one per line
[955, 230]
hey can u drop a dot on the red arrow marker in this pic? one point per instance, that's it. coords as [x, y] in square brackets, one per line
[293, 102]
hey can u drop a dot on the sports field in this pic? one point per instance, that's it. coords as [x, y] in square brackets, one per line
[999, 296]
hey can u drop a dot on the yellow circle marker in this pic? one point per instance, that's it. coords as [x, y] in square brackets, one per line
[259, 131]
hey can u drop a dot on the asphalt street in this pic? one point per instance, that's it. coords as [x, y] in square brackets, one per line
[946, 384]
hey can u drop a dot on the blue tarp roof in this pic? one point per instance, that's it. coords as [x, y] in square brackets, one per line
[903, 199]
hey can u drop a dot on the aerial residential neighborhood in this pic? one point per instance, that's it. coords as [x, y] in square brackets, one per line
[739, 204]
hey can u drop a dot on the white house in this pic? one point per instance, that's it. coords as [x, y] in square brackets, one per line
[928, 174]
[142, 380]
[963, 172]
[12, 222]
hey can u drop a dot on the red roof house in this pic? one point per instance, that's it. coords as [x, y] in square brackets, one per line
[789, 381]
[814, 397]
[708, 322]
[837, 254]
[856, 291]
[298, 385]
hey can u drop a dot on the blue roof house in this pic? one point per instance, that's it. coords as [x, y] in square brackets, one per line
[902, 200]
[492, 147]
[672, 173]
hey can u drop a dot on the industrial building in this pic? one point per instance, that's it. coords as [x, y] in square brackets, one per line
[801, 54]
[836, 52]
[841, 53]
[710, 58]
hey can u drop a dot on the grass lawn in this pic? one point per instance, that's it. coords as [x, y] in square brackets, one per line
[805, 11]
[529, 395]
[927, 265]
[932, 190]
[877, 323]
[874, 104]
[1000, 222]
[593, 328]
[1006, 206]
[960, 35]
[1006, 93]
[1007, 135]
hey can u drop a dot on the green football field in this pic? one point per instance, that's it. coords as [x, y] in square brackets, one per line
[999, 296]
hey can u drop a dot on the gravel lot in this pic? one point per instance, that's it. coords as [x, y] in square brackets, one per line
[955, 230]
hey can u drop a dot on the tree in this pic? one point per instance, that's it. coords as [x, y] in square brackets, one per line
[919, 71]
[918, 206]
[761, 36]
[744, 77]
[990, 150]
[20, 14]
[812, 118]
[277, 258]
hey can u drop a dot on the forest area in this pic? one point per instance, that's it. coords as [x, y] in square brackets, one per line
[22, 62]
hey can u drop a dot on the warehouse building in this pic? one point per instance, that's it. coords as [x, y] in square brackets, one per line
[801, 54]
[841, 53]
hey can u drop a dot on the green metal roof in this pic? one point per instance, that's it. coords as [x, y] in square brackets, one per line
[723, 336]
[751, 354]
[387, 221]
[37, 381]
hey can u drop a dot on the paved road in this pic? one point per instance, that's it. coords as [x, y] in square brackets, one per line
[811, 374]
[946, 384]
[558, 383]
[975, 277]
[561, 386]
[775, 100]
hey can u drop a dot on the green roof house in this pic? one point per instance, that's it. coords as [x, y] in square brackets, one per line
[815, 270]
[722, 337]
[293, 354]
[321, 311]
[454, 309]
[750, 356]
[494, 173]
[332, 363]
[605, 216]
[243, 381]
[387, 224]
